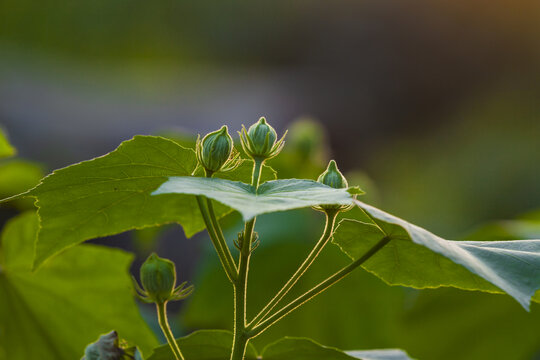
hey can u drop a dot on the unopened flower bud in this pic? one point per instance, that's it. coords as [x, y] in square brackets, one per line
[333, 177]
[215, 150]
[158, 278]
[260, 140]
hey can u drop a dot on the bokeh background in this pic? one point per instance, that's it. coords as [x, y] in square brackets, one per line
[431, 106]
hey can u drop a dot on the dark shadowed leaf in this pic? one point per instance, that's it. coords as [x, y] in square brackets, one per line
[54, 313]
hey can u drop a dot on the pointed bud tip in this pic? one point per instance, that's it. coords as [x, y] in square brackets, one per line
[262, 120]
[152, 257]
[333, 177]
[332, 165]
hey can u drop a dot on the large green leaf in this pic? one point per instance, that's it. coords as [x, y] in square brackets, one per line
[272, 196]
[54, 313]
[203, 345]
[5, 147]
[111, 194]
[306, 349]
[420, 259]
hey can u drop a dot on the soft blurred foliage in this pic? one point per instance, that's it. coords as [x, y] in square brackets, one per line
[430, 107]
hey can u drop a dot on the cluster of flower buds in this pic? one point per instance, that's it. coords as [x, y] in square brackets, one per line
[108, 347]
[158, 278]
[215, 152]
[334, 178]
[260, 140]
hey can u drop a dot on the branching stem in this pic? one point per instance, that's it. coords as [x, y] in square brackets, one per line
[284, 311]
[218, 241]
[327, 234]
[241, 337]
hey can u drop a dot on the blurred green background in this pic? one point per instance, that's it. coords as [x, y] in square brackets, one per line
[432, 107]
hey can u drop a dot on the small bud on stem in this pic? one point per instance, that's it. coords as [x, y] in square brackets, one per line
[260, 140]
[215, 152]
[334, 178]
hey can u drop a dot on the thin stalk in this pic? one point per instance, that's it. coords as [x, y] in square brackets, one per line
[220, 237]
[328, 230]
[256, 175]
[164, 324]
[241, 337]
[240, 292]
[299, 301]
[228, 266]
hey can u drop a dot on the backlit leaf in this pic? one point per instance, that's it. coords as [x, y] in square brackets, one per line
[420, 259]
[272, 196]
[111, 194]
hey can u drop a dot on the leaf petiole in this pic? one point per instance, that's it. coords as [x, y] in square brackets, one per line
[327, 234]
[299, 301]
[219, 243]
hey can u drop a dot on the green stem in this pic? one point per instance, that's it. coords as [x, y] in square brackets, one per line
[164, 324]
[256, 175]
[224, 255]
[299, 301]
[241, 336]
[240, 291]
[328, 229]
[221, 238]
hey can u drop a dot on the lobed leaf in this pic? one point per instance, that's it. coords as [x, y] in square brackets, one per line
[417, 258]
[111, 194]
[53, 313]
[272, 196]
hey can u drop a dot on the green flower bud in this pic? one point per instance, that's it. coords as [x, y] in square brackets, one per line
[333, 177]
[263, 137]
[158, 278]
[260, 141]
[215, 150]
